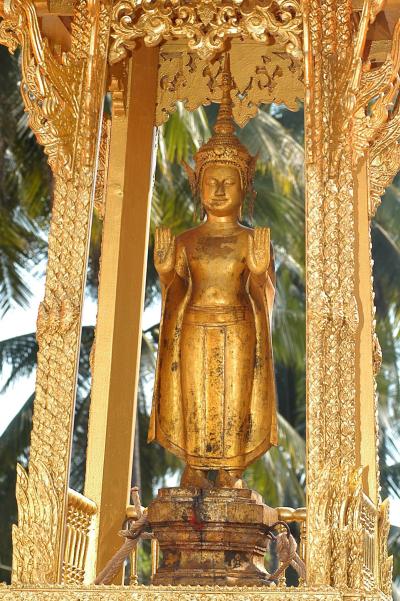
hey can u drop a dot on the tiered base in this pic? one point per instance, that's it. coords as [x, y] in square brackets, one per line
[210, 537]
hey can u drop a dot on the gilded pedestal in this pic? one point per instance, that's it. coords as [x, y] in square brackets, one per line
[215, 536]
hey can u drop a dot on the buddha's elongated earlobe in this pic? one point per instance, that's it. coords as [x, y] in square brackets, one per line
[191, 177]
[199, 210]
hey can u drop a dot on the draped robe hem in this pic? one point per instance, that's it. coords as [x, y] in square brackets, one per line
[210, 463]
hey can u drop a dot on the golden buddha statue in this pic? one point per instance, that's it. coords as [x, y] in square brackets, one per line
[214, 400]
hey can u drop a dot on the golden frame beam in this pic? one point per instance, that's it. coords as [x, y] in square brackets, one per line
[352, 154]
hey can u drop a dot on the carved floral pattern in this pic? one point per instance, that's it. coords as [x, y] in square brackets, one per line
[205, 26]
[385, 562]
[102, 167]
[162, 593]
[261, 74]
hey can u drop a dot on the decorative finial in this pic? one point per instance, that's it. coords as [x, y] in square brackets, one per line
[224, 148]
[224, 123]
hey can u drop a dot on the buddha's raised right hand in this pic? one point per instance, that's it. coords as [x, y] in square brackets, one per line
[164, 250]
[258, 251]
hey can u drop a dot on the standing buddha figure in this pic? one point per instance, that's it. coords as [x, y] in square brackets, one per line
[214, 402]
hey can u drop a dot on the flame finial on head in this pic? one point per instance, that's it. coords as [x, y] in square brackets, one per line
[224, 123]
[224, 148]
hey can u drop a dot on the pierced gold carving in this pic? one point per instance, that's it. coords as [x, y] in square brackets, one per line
[205, 26]
[63, 96]
[384, 159]
[385, 562]
[261, 74]
[377, 119]
[50, 88]
[39, 511]
[173, 593]
[348, 522]
[102, 167]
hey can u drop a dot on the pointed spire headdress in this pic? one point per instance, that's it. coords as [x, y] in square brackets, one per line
[224, 148]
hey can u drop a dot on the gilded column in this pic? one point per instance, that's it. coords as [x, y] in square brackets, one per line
[63, 94]
[121, 298]
[347, 109]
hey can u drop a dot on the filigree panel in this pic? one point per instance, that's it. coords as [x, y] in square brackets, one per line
[102, 167]
[348, 523]
[63, 95]
[205, 25]
[385, 562]
[384, 158]
[50, 85]
[261, 74]
[173, 593]
[377, 120]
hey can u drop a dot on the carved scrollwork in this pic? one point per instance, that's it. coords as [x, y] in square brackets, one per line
[261, 74]
[102, 167]
[348, 522]
[50, 85]
[205, 26]
[38, 511]
[348, 116]
[377, 121]
[384, 159]
[171, 593]
[385, 562]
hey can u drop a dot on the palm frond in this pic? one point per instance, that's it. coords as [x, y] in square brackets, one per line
[24, 191]
[278, 152]
[181, 136]
[20, 354]
[280, 475]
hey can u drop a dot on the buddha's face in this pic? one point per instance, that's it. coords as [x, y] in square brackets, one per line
[221, 190]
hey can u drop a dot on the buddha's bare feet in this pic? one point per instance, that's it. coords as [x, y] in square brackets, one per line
[230, 479]
[192, 478]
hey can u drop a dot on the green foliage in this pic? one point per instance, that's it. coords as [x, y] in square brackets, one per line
[24, 192]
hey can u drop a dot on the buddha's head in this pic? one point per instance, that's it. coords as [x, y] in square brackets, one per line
[221, 192]
[224, 169]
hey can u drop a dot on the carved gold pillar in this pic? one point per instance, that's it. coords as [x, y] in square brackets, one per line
[63, 95]
[121, 297]
[331, 309]
[348, 116]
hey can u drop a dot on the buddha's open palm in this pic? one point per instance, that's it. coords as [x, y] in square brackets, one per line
[164, 250]
[258, 254]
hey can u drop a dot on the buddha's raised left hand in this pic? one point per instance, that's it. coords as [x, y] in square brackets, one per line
[258, 253]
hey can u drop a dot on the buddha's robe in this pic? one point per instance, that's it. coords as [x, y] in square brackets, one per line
[214, 402]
